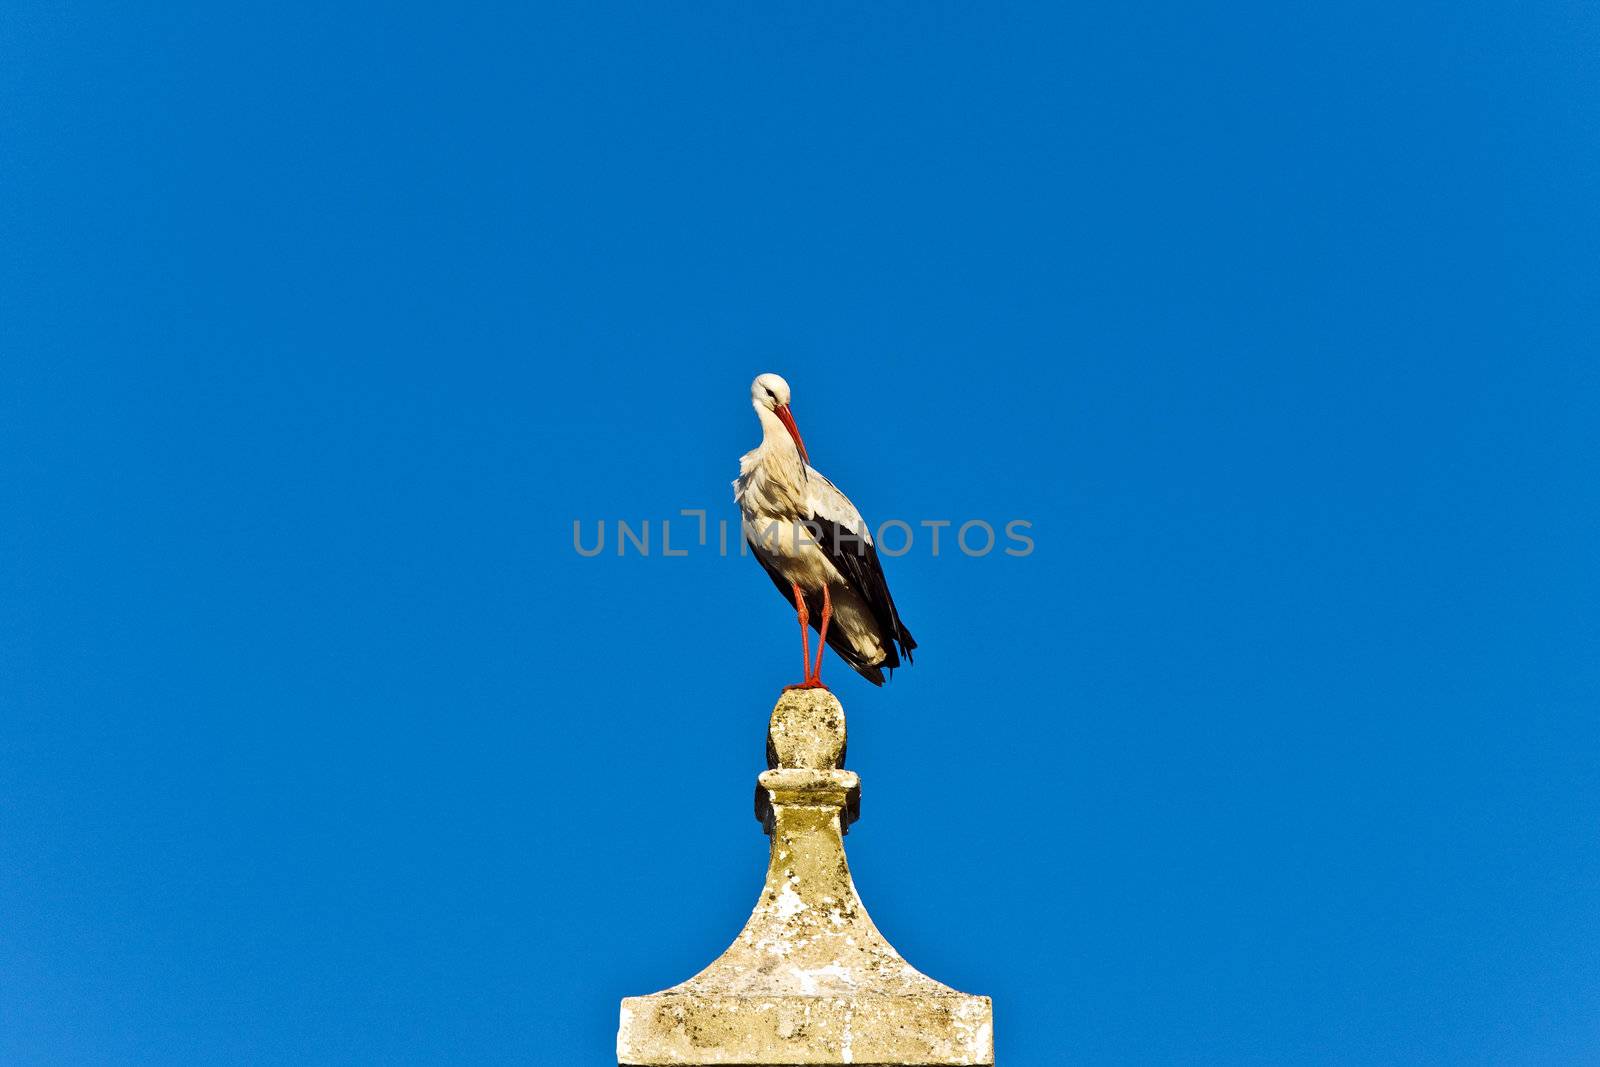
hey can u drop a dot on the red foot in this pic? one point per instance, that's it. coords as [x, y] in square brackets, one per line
[809, 683]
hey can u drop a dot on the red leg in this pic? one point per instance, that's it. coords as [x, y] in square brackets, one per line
[822, 638]
[805, 636]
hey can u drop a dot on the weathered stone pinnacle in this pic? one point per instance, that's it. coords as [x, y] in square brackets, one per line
[809, 980]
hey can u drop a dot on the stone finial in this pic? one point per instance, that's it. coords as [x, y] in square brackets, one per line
[806, 732]
[809, 980]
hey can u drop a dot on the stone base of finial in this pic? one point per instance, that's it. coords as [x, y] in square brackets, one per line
[922, 1030]
[809, 980]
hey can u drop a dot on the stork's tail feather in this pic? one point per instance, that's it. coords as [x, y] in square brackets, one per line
[903, 638]
[872, 672]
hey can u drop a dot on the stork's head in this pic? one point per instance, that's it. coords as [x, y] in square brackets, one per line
[771, 393]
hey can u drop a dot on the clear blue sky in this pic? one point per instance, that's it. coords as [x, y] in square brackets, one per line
[320, 325]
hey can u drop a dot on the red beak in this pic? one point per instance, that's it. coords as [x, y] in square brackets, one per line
[787, 419]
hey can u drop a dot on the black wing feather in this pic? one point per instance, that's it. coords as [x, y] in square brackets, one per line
[857, 559]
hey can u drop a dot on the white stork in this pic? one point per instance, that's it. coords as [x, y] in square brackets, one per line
[816, 547]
